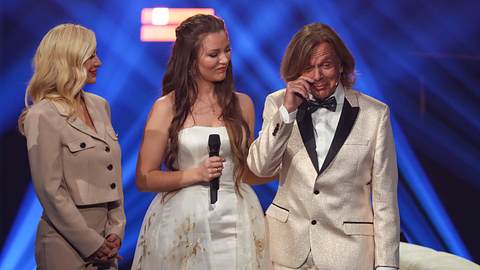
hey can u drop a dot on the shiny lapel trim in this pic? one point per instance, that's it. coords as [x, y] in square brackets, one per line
[345, 125]
[305, 126]
[301, 155]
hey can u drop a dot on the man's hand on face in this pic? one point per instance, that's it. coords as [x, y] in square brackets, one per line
[297, 91]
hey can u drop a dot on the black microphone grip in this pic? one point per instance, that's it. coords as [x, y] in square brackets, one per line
[214, 151]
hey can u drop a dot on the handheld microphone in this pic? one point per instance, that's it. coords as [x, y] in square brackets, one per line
[214, 150]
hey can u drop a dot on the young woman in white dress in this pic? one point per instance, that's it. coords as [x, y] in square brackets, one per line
[182, 229]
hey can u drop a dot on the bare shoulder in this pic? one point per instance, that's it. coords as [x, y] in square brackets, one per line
[247, 108]
[165, 103]
[244, 100]
[162, 112]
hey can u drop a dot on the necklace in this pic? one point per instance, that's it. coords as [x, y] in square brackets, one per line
[210, 105]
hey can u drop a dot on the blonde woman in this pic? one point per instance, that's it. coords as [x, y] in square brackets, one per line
[74, 155]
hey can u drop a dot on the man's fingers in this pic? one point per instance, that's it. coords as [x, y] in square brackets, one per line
[112, 237]
[305, 78]
[110, 244]
[302, 93]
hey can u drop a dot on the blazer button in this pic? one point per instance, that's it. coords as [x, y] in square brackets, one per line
[82, 145]
[314, 222]
[107, 149]
[113, 186]
[275, 130]
[110, 167]
[316, 192]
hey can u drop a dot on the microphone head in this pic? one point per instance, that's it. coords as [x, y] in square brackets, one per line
[214, 143]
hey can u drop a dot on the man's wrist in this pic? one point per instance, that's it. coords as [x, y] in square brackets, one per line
[287, 117]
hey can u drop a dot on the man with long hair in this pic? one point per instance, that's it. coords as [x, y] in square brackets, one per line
[333, 151]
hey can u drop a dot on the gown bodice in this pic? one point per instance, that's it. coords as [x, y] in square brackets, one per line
[193, 150]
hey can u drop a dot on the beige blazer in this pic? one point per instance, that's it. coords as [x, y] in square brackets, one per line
[74, 168]
[346, 211]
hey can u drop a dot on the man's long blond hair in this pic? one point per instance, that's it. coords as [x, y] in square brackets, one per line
[58, 67]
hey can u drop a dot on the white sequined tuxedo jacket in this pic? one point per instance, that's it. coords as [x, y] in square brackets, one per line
[345, 211]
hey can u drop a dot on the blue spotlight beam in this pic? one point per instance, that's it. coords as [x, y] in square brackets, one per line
[17, 252]
[423, 190]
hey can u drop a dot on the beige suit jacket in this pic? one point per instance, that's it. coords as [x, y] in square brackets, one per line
[74, 167]
[345, 212]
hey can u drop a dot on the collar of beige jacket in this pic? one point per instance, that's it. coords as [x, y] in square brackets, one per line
[297, 141]
[78, 124]
[351, 96]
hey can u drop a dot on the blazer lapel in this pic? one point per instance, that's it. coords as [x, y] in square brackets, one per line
[305, 126]
[76, 123]
[98, 120]
[80, 126]
[345, 125]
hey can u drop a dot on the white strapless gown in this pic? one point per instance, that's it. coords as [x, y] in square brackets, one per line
[184, 231]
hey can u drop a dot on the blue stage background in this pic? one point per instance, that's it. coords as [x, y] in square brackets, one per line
[421, 57]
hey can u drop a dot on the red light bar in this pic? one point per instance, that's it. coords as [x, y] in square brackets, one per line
[158, 24]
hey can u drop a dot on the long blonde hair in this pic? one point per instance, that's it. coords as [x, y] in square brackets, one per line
[58, 71]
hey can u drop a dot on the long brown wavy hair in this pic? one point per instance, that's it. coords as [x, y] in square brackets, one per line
[180, 77]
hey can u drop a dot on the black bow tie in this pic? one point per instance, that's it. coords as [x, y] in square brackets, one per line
[313, 105]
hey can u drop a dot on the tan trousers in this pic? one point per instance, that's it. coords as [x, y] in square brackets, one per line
[53, 252]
